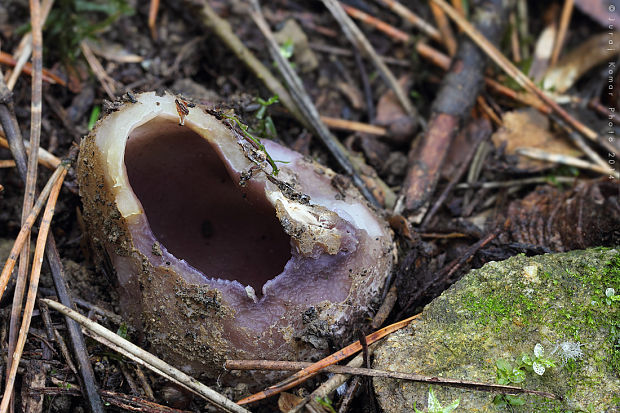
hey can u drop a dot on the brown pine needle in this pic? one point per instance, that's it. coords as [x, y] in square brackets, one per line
[412, 18]
[46, 159]
[380, 25]
[7, 163]
[32, 289]
[487, 110]
[514, 38]
[153, 9]
[433, 55]
[48, 76]
[516, 74]
[25, 49]
[314, 369]
[567, 11]
[447, 35]
[27, 226]
[344, 124]
[355, 36]
[458, 5]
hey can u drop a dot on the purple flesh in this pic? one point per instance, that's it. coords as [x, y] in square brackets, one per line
[198, 213]
[182, 181]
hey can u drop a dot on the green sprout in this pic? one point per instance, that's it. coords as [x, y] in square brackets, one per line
[94, 115]
[266, 128]
[286, 51]
[326, 403]
[434, 406]
[122, 331]
[611, 296]
[287, 48]
[538, 363]
[508, 400]
[246, 134]
[507, 374]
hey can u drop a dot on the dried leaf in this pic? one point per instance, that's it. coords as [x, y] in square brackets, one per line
[287, 401]
[113, 51]
[530, 128]
[391, 114]
[353, 94]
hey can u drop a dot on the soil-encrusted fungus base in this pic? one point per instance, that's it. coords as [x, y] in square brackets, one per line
[215, 256]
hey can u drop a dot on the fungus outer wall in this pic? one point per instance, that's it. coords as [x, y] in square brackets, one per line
[321, 252]
[346, 252]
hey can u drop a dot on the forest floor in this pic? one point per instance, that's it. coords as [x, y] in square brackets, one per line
[444, 157]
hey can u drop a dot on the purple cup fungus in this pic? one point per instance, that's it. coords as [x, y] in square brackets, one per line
[217, 258]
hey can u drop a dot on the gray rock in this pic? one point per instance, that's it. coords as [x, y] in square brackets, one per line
[501, 312]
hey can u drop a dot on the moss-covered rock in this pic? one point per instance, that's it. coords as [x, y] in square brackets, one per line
[564, 302]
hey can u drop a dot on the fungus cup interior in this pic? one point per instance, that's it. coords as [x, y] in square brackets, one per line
[197, 210]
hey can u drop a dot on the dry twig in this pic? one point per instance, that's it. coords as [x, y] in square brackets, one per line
[25, 47]
[123, 401]
[106, 81]
[518, 182]
[412, 18]
[222, 29]
[32, 289]
[17, 249]
[380, 25]
[86, 375]
[336, 380]
[539, 154]
[16, 145]
[447, 36]
[151, 361]
[355, 36]
[153, 9]
[315, 368]
[357, 371]
[482, 131]
[567, 11]
[337, 123]
[14, 351]
[47, 76]
[331, 384]
[46, 159]
[303, 101]
[451, 107]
